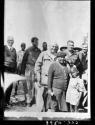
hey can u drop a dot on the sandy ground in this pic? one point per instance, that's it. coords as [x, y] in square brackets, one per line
[19, 107]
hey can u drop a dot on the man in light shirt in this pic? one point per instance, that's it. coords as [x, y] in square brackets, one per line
[41, 69]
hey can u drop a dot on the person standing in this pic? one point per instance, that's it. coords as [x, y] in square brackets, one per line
[72, 57]
[41, 70]
[20, 55]
[19, 61]
[27, 68]
[44, 46]
[10, 64]
[58, 78]
[75, 89]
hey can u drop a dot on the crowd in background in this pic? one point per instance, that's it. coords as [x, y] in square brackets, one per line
[56, 79]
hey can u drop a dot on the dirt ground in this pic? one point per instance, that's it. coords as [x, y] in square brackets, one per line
[19, 105]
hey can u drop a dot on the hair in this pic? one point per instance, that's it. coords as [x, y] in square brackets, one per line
[70, 41]
[33, 39]
[10, 38]
[23, 44]
[44, 43]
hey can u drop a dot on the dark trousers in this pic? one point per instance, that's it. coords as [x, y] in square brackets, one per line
[8, 94]
[58, 101]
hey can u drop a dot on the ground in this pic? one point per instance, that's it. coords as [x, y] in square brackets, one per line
[19, 106]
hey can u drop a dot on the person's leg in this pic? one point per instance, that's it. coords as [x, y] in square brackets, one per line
[25, 91]
[57, 98]
[32, 87]
[39, 97]
[27, 74]
[68, 107]
[76, 108]
[64, 107]
[45, 99]
[14, 89]
[71, 108]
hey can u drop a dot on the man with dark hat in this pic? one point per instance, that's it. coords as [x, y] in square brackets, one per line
[58, 78]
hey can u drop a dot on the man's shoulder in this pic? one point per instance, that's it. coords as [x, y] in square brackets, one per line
[39, 49]
[65, 51]
[5, 47]
[55, 63]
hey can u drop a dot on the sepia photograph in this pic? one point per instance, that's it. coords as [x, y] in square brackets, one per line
[46, 60]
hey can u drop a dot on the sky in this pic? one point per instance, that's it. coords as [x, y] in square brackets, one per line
[49, 20]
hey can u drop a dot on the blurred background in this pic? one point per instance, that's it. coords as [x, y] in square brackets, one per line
[49, 20]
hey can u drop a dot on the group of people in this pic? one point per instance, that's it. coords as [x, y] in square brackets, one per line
[54, 78]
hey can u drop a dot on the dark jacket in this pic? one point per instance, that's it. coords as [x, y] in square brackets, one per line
[30, 57]
[58, 76]
[10, 57]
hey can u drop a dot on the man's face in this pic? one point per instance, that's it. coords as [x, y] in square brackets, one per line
[44, 46]
[70, 46]
[61, 60]
[23, 47]
[10, 43]
[85, 48]
[35, 43]
[54, 49]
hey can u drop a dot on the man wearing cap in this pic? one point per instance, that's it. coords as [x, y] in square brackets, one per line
[58, 78]
[41, 69]
[27, 68]
[9, 63]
